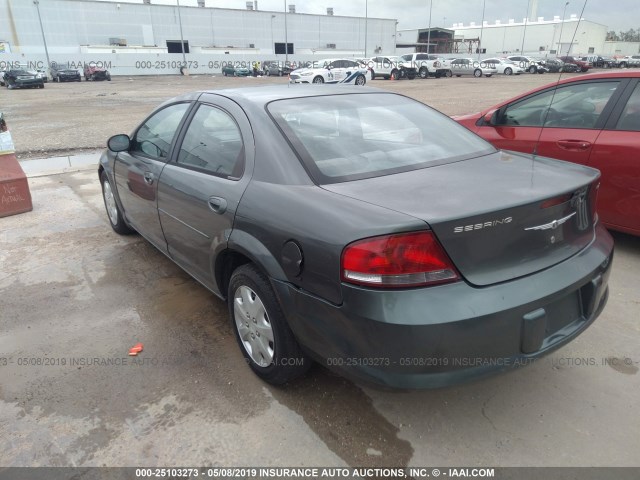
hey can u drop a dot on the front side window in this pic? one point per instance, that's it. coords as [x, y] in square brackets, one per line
[630, 118]
[213, 144]
[349, 137]
[577, 105]
[154, 137]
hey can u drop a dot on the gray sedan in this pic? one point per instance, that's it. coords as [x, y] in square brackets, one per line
[364, 230]
[469, 66]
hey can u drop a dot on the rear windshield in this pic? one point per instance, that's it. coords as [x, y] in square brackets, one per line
[350, 137]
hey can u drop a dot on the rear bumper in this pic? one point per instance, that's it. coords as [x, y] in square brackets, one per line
[444, 335]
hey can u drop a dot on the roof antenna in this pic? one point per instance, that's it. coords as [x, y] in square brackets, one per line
[544, 120]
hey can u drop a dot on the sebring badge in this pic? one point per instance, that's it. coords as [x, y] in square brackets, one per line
[552, 225]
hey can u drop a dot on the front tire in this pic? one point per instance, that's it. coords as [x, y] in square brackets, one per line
[508, 71]
[477, 73]
[262, 332]
[116, 219]
[395, 75]
[360, 80]
[318, 79]
[424, 72]
[533, 69]
[448, 74]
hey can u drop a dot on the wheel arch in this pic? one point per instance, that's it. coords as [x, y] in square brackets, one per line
[243, 248]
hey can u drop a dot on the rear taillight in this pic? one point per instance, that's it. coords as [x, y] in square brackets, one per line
[400, 260]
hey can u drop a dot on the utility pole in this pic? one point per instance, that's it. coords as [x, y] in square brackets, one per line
[44, 40]
[561, 27]
[526, 20]
[184, 57]
[366, 21]
[286, 40]
[429, 33]
[484, 4]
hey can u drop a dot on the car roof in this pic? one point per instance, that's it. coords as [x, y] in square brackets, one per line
[261, 95]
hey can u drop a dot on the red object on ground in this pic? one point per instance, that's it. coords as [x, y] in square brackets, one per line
[15, 196]
[136, 349]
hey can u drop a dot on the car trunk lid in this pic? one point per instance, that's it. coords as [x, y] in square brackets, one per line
[500, 216]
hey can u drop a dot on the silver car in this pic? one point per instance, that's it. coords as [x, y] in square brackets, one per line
[469, 66]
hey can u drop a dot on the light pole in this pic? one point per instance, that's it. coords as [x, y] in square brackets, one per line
[286, 41]
[272, 44]
[561, 27]
[184, 57]
[44, 40]
[429, 32]
[366, 21]
[525, 28]
[484, 4]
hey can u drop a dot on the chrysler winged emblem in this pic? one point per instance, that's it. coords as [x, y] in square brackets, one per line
[552, 225]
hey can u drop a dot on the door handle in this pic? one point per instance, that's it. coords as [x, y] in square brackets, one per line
[148, 178]
[218, 204]
[574, 144]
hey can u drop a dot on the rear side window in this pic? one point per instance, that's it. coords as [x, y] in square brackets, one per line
[630, 118]
[350, 137]
[213, 144]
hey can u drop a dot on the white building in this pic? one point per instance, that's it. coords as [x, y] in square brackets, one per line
[573, 36]
[79, 29]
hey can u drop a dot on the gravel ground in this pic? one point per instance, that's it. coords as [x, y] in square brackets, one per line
[71, 118]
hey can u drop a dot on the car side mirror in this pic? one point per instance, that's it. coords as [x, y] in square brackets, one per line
[119, 143]
[490, 118]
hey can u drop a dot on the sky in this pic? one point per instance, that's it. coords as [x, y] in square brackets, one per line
[616, 14]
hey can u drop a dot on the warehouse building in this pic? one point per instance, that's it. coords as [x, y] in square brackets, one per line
[573, 36]
[79, 29]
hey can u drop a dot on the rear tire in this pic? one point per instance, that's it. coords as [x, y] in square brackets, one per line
[424, 72]
[395, 75]
[508, 71]
[360, 80]
[449, 74]
[265, 339]
[533, 69]
[477, 73]
[114, 214]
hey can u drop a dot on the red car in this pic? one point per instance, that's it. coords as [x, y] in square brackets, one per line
[584, 65]
[593, 120]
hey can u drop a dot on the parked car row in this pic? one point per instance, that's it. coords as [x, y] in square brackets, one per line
[23, 77]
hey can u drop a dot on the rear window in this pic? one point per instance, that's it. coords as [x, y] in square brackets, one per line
[351, 137]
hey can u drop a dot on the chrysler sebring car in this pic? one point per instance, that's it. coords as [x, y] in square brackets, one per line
[593, 120]
[364, 230]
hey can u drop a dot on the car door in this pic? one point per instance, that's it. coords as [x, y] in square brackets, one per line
[457, 66]
[573, 115]
[616, 154]
[337, 71]
[200, 189]
[137, 170]
[350, 68]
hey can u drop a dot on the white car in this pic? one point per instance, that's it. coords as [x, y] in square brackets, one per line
[390, 67]
[528, 64]
[504, 66]
[428, 64]
[332, 71]
[469, 66]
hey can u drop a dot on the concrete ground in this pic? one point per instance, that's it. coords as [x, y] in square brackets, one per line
[74, 297]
